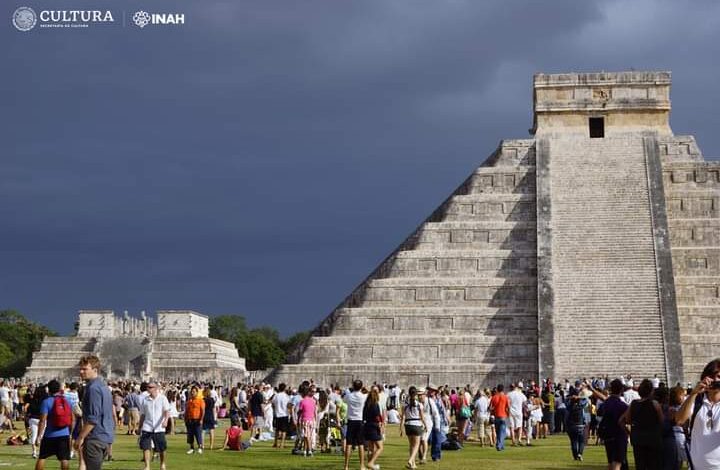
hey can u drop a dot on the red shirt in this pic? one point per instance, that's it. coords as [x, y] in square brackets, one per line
[499, 405]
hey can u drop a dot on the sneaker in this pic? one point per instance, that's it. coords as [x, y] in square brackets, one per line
[309, 454]
[190, 451]
[580, 457]
[200, 450]
[34, 455]
[72, 454]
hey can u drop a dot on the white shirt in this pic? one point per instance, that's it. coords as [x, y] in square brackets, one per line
[4, 393]
[153, 409]
[516, 398]
[355, 402]
[655, 382]
[630, 396]
[280, 403]
[705, 446]
[393, 417]
[481, 405]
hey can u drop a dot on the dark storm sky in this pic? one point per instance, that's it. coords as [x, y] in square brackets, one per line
[264, 157]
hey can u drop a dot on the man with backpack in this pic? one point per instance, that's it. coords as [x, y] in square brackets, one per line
[56, 419]
[702, 409]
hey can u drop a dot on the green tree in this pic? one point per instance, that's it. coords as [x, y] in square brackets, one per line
[227, 327]
[21, 337]
[6, 355]
[262, 352]
[262, 347]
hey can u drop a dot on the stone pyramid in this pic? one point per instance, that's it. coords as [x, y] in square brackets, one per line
[592, 248]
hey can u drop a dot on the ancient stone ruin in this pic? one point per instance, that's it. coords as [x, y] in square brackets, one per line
[177, 346]
[591, 248]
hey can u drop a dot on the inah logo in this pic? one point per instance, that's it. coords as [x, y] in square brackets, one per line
[141, 18]
[24, 18]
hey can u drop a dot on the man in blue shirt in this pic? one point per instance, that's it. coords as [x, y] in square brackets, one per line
[55, 440]
[98, 421]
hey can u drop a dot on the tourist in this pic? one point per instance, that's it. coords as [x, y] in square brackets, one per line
[393, 417]
[323, 420]
[54, 428]
[576, 421]
[413, 423]
[516, 399]
[677, 398]
[233, 435]
[281, 424]
[481, 417]
[174, 413]
[645, 418]
[428, 421]
[257, 402]
[535, 415]
[547, 425]
[500, 410]
[5, 401]
[560, 410]
[355, 401]
[154, 417]
[613, 435]
[132, 404]
[439, 419]
[307, 417]
[98, 429]
[209, 416]
[194, 413]
[33, 415]
[373, 427]
[701, 410]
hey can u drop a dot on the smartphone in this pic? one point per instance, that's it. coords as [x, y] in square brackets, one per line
[715, 384]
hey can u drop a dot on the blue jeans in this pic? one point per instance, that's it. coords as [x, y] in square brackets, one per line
[501, 432]
[436, 440]
[577, 440]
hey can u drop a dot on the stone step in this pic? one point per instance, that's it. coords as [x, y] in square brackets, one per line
[476, 234]
[438, 321]
[519, 180]
[462, 263]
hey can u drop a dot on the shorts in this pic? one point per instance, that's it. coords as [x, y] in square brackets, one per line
[153, 440]
[616, 450]
[413, 430]
[354, 436]
[515, 421]
[259, 422]
[94, 453]
[282, 424]
[57, 446]
[371, 432]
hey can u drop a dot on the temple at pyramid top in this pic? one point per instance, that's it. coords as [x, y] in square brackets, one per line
[604, 103]
[591, 248]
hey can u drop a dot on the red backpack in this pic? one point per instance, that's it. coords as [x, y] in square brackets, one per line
[61, 413]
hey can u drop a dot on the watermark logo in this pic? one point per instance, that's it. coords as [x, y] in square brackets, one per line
[141, 18]
[24, 18]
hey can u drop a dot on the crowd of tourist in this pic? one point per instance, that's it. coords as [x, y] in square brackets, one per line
[667, 427]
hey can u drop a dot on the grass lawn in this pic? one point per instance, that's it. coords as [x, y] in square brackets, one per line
[552, 453]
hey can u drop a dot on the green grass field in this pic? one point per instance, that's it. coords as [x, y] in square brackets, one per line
[552, 453]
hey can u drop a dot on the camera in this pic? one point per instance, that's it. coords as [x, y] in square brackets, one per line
[714, 385]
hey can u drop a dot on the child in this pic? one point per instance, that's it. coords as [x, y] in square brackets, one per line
[233, 436]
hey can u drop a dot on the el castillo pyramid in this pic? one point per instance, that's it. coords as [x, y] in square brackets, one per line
[591, 248]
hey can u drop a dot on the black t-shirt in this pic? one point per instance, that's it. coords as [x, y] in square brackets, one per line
[256, 402]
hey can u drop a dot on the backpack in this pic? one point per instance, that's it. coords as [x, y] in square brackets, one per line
[61, 413]
[576, 417]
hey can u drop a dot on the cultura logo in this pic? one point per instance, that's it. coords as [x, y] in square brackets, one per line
[24, 18]
[141, 18]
